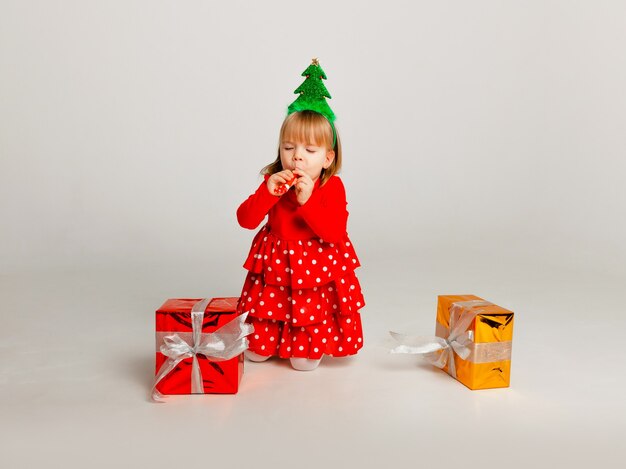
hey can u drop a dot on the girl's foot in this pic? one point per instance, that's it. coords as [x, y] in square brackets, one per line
[254, 357]
[304, 364]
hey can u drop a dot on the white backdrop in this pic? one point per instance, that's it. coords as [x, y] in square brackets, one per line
[483, 153]
[131, 131]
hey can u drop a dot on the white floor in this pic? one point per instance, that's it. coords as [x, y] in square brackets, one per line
[76, 365]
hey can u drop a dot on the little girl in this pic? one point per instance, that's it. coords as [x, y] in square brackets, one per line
[301, 292]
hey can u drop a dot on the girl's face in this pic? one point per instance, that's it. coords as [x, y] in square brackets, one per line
[308, 157]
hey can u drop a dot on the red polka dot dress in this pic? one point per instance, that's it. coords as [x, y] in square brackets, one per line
[301, 292]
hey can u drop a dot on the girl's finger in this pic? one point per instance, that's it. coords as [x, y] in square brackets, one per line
[301, 174]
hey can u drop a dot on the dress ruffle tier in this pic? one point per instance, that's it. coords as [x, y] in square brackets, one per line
[302, 297]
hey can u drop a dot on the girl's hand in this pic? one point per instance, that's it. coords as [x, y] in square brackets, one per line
[276, 180]
[304, 186]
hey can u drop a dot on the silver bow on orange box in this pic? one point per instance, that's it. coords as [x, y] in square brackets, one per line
[223, 344]
[440, 350]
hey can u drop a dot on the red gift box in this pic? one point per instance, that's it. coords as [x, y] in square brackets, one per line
[180, 343]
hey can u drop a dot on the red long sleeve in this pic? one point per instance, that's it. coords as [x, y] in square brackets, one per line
[253, 210]
[324, 215]
[325, 211]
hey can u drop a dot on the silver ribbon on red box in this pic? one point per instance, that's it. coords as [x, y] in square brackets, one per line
[223, 344]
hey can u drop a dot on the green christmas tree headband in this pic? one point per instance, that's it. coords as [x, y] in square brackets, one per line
[313, 94]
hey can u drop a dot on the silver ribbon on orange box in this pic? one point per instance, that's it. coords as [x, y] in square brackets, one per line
[439, 350]
[223, 344]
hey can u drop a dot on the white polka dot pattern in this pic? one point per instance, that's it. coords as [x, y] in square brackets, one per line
[305, 306]
[297, 264]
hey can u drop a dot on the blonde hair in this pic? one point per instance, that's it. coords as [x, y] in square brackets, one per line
[308, 127]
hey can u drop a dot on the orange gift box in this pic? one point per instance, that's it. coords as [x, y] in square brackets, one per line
[488, 338]
[472, 344]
